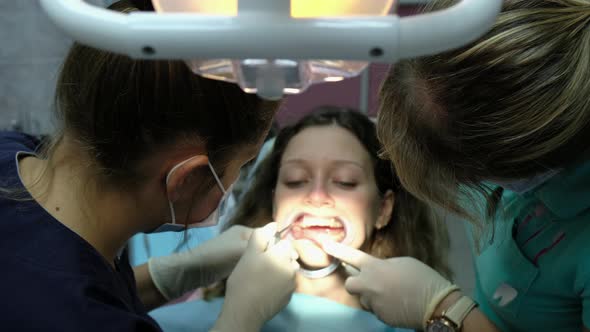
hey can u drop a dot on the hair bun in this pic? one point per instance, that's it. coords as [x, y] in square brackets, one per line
[142, 5]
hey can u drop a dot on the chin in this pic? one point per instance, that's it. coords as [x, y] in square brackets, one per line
[311, 255]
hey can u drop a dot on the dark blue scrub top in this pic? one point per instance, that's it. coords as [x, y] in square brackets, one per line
[50, 278]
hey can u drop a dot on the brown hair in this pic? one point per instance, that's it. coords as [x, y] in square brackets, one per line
[414, 230]
[511, 105]
[121, 110]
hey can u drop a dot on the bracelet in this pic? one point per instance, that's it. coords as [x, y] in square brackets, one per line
[435, 302]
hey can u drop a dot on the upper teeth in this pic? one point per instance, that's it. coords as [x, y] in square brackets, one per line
[324, 222]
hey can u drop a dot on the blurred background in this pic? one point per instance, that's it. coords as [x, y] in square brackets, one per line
[32, 51]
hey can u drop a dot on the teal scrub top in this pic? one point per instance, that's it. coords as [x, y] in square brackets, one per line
[533, 262]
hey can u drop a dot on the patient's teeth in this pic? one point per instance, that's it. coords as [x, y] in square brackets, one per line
[308, 221]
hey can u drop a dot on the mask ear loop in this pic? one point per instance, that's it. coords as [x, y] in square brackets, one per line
[170, 204]
[219, 183]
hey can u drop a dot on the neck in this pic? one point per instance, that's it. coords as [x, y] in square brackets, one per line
[66, 190]
[330, 287]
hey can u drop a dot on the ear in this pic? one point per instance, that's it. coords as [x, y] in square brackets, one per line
[386, 210]
[181, 174]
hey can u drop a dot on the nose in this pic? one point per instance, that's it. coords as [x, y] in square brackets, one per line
[318, 196]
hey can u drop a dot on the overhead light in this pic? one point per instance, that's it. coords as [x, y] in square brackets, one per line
[274, 47]
[299, 8]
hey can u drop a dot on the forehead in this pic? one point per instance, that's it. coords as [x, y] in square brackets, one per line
[330, 142]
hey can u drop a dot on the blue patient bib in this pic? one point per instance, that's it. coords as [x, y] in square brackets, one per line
[303, 314]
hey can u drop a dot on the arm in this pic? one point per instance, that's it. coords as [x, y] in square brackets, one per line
[400, 290]
[146, 289]
[475, 321]
[166, 278]
[230, 320]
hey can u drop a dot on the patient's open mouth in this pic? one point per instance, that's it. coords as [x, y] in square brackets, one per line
[316, 229]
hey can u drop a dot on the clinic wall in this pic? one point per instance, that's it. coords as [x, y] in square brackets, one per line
[31, 52]
[359, 93]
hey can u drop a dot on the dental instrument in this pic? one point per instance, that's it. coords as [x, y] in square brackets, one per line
[311, 274]
[278, 236]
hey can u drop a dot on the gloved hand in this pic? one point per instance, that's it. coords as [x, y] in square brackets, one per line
[261, 284]
[176, 274]
[402, 292]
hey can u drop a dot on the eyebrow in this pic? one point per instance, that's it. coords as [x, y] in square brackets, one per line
[337, 162]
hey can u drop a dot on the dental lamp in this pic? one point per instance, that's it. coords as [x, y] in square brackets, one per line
[274, 47]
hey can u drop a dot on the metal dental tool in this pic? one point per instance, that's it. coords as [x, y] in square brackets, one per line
[278, 236]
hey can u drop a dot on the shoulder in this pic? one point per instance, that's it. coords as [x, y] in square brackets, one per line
[579, 231]
[60, 301]
[15, 141]
[197, 315]
[10, 144]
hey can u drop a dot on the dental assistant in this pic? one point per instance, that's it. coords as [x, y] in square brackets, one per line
[498, 133]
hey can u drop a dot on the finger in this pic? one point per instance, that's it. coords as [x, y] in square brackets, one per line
[283, 250]
[354, 285]
[299, 248]
[346, 254]
[294, 255]
[269, 229]
[246, 233]
[261, 237]
[295, 250]
[284, 255]
[365, 303]
[241, 233]
[351, 270]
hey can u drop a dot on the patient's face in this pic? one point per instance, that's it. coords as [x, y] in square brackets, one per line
[326, 188]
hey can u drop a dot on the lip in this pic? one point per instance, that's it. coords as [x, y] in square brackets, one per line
[320, 220]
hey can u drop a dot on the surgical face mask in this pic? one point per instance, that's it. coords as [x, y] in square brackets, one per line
[525, 185]
[211, 220]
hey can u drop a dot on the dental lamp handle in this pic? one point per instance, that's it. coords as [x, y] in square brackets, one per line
[268, 35]
[448, 29]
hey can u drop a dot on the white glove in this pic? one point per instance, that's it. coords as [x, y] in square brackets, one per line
[402, 292]
[261, 284]
[211, 261]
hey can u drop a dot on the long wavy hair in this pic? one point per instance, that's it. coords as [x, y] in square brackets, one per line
[414, 230]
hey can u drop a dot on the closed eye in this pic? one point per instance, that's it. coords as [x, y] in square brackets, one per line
[295, 184]
[346, 184]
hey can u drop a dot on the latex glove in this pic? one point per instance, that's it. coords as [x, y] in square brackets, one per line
[211, 261]
[261, 285]
[402, 292]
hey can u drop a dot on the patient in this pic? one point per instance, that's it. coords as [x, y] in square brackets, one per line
[324, 177]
